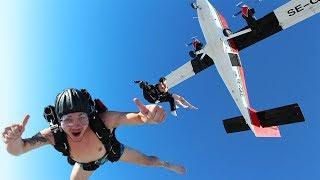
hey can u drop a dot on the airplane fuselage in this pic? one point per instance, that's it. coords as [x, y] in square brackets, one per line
[226, 59]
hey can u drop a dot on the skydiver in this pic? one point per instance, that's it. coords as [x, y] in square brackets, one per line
[248, 15]
[163, 86]
[160, 93]
[197, 46]
[87, 143]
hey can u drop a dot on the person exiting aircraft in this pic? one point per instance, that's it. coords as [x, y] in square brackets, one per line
[197, 46]
[248, 15]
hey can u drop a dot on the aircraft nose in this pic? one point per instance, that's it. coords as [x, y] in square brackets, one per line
[203, 3]
[199, 2]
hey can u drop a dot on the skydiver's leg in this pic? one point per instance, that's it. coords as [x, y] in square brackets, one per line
[79, 174]
[179, 103]
[168, 98]
[133, 156]
[172, 103]
[182, 102]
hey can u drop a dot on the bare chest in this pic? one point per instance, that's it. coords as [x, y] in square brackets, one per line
[89, 149]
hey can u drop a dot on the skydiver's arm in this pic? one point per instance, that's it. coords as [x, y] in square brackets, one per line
[42, 138]
[113, 119]
[148, 114]
[15, 145]
[20, 146]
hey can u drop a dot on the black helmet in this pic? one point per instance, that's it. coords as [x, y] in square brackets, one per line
[71, 100]
[162, 79]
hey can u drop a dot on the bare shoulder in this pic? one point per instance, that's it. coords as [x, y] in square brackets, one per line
[109, 118]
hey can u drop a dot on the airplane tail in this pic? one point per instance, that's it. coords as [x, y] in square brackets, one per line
[265, 123]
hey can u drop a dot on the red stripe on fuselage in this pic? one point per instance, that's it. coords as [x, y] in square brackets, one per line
[235, 50]
[225, 25]
[258, 130]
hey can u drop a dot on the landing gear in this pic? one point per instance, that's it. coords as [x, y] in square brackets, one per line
[227, 32]
[194, 5]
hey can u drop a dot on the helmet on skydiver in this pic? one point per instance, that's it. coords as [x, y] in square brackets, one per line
[162, 79]
[71, 100]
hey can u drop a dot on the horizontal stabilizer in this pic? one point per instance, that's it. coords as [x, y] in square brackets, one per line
[281, 116]
[273, 117]
[236, 124]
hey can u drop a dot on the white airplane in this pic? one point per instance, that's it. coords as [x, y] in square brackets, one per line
[222, 49]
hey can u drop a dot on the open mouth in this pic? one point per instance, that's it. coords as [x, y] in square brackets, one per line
[76, 134]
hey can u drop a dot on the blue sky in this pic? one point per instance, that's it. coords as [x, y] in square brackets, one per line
[103, 46]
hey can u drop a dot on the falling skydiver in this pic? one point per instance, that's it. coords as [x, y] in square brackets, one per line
[83, 130]
[248, 15]
[160, 93]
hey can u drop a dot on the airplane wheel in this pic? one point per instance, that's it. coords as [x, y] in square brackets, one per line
[194, 5]
[227, 32]
[192, 54]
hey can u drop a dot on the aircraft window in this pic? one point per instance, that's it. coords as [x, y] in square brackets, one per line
[234, 58]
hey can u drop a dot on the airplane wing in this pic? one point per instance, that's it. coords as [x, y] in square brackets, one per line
[188, 70]
[282, 18]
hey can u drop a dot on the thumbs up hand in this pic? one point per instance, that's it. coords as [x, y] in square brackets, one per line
[12, 133]
[150, 113]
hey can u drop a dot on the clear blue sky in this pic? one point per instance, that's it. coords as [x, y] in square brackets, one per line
[46, 46]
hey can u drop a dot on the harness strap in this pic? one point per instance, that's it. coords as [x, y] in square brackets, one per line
[60, 137]
[104, 134]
